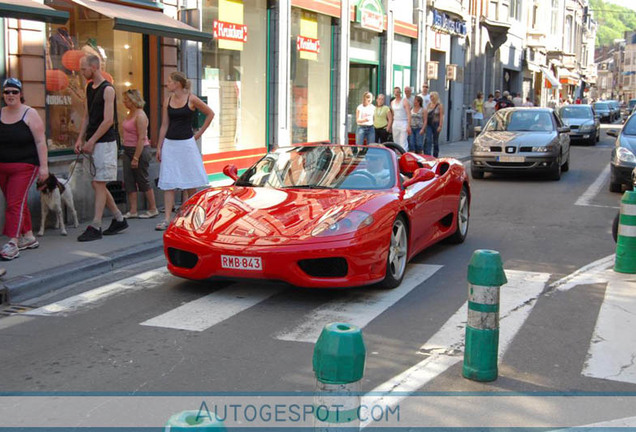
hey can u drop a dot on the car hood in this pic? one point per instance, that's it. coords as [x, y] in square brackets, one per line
[266, 216]
[577, 121]
[629, 142]
[518, 139]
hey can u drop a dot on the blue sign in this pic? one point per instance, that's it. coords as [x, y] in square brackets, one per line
[442, 21]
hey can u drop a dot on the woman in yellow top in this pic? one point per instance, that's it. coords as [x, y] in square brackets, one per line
[382, 120]
[478, 107]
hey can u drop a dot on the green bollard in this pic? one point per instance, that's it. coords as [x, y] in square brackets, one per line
[485, 277]
[626, 242]
[194, 421]
[338, 363]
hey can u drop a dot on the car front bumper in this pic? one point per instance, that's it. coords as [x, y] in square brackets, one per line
[621, 174]
[365, 260]
[493, 163]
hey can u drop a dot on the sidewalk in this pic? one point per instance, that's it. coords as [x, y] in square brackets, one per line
[62, 260]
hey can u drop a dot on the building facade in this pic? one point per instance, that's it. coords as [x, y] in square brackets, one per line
[288, 71]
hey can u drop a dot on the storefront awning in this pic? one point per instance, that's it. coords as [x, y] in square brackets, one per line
[568, 77]
[145, 21]
[554, 82]
[30, 10]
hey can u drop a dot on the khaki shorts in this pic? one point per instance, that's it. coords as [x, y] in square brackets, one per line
[105, 159]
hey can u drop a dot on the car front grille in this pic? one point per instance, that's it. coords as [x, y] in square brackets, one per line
[525, 150]
[495, 149]
[181, 258]
[574, 126]
[511, 164]
[325, 267]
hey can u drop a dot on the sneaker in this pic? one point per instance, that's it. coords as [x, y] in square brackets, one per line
[27, 243]
[116, 227]
[9, 251]
[149, 214]
[90, 234]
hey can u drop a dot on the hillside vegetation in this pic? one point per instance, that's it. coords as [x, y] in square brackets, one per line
[613, 21]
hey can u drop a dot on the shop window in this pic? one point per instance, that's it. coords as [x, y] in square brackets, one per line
[235, 75]
[87, 32]
[310, 76]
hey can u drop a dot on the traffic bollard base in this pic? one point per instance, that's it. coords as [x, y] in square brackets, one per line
[193, 421]
[481, 355]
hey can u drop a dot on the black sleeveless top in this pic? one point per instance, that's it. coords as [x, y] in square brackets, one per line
[17, 144]
[180, 126]
[95, 103]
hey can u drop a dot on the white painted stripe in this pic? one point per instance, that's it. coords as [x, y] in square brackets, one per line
[594, 188]
[483, 294]
[359, 307]
[626, 230]
[628, 209]
[613, 344]
[445, 348]
[141, 281]
[203, 313]
[588, 274]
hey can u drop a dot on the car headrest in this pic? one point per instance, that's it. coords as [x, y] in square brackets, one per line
[409, 163]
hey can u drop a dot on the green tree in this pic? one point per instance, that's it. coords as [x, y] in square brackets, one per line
[613, 21]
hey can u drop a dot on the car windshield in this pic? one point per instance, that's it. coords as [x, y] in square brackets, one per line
[632, 103]
[521, 121]
[573, 111]
[602, 106]
[630, 127]
[323, 167]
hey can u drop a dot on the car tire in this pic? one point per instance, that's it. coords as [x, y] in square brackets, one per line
[615, 227]
[398, 255]
[566, 166]
[598, 137]
[462, 217]
[555, 173]
[476, 173]
[615, 187]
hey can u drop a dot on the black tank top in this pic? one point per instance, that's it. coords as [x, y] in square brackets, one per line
[95, 103]
[180, 126]
[17, 144]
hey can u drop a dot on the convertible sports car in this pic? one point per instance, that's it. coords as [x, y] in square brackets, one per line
[321, 216]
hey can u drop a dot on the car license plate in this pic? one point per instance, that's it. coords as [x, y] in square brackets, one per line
[241, 263]
[511, 159]
[586, 136]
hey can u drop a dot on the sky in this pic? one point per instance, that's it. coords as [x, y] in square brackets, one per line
[625, 3]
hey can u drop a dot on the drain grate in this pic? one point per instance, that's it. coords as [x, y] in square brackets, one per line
[8, 310]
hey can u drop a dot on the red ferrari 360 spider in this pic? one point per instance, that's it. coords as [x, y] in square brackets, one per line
[321, 216]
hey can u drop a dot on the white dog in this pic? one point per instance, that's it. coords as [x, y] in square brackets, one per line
[52, 195]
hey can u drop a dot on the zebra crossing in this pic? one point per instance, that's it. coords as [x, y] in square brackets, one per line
[608, 357]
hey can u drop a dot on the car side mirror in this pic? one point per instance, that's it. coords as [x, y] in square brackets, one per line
[231, 171]
[564, 129]
[420, 175]
[613, 132]
[477, 130]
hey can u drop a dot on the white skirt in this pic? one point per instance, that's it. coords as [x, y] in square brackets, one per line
[181, 165]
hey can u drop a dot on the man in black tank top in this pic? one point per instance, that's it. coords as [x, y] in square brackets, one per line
[98, 138]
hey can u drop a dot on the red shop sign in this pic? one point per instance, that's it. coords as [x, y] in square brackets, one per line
[372, 20]
[308, 44]
[230, 31]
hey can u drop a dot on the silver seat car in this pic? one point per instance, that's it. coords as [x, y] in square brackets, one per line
[522, 139]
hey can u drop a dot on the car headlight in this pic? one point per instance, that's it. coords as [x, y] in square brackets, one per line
[480, 148]
[190, 217]
[588, 127]
[624, 155]
[543, 149]
[342, 223]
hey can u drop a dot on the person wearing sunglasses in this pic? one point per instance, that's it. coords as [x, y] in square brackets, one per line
[23, 158]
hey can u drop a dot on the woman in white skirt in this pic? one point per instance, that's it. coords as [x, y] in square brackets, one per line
[181, 162]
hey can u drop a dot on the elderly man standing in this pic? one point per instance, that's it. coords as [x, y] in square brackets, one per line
[409, 96]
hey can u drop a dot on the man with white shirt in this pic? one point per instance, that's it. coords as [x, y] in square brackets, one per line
[409, 96]
[426, 98]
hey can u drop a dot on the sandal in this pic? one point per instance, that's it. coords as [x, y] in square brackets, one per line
[162, 226]
[130, 215]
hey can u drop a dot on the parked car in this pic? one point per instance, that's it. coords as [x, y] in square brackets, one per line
[522, 139]
[321, 216]
[584, 125]
[603, 110]
[623, 159]
[630, 106]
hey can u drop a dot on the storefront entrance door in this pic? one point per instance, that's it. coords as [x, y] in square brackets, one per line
[362, 78]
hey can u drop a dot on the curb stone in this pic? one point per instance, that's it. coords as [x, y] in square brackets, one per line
[25, 287]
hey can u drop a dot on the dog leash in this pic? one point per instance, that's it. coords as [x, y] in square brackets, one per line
[91, 168]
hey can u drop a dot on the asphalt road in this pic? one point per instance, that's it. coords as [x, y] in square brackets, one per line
[253, 337]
